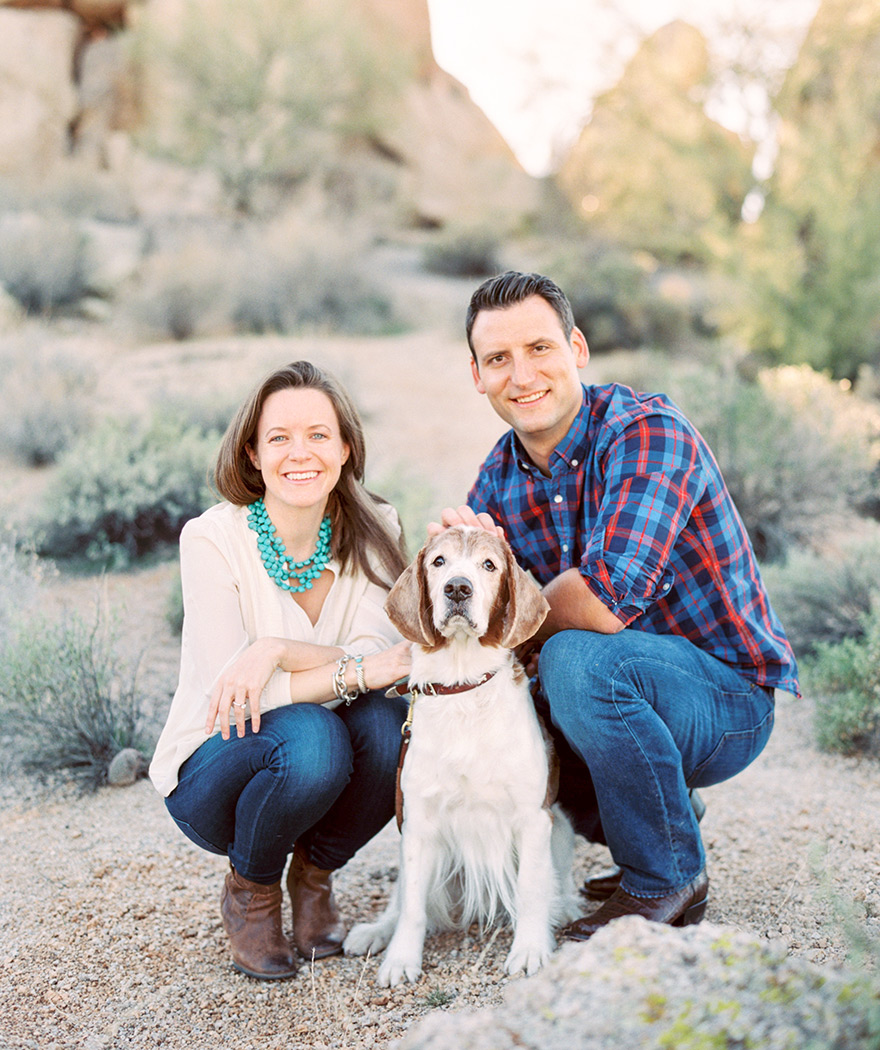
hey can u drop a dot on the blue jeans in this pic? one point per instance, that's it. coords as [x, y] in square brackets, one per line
[643, 718]
[322, 778]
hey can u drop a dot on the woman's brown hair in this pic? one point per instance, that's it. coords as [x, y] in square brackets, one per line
[359, 528]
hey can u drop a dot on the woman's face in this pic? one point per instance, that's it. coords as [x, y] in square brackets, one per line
[298, 448]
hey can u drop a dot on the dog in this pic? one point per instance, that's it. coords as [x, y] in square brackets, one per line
[479, 836]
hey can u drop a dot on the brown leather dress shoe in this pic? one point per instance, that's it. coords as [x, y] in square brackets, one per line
[685, 907]
[317, 928]
[600, 887]
[251, 915]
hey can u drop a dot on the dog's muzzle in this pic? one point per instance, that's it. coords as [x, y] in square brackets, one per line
[458, 592]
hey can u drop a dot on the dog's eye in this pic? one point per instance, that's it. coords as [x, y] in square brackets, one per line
[438, 561]
[489, 565]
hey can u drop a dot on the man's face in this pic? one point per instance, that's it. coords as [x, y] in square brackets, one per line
[529, 371]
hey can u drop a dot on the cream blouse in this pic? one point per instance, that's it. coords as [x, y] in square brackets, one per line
[229, 602]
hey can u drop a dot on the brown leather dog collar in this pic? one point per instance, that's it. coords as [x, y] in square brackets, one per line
[438, 689]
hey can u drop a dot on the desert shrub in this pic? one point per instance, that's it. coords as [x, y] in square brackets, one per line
[21, 574]
[845, 679]
[463, 253]
[298, 287]
[797, 452]
[261, 284]
[620, 301]
[824, 598]
[183, 291]
[72, 700]
[260, 91]
[127, 489]
[42, 261]
[45, 402]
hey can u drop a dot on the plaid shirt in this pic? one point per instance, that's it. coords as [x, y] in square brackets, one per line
[635, 501]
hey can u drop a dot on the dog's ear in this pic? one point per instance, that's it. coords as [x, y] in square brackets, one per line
[527, 607]
[409, 605]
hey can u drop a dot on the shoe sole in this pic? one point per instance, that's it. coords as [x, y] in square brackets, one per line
[692, 914]
[264, 976]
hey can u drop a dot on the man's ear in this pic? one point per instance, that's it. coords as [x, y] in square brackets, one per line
[579, 345]
[475, 372]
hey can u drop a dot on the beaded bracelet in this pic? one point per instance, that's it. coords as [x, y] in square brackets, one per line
[359, 671]
[340, 687]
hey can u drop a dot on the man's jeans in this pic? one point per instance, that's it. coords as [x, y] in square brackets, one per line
[323, 778]
[649, 716]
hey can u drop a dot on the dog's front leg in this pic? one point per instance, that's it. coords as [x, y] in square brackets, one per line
[533, 940]
[418, 853]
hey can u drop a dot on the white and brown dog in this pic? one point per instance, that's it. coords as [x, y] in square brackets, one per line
[479, 837]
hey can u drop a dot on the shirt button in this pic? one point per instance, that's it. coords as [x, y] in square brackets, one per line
[565, 548]
[574, 462]
[557, 499]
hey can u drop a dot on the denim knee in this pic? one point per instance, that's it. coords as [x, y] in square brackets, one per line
[318, 753]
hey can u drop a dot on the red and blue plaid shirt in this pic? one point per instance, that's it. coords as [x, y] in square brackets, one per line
[635, 501]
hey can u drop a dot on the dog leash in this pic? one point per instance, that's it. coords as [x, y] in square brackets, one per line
[430, 689]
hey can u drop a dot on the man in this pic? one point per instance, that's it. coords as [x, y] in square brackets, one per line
[660, 654]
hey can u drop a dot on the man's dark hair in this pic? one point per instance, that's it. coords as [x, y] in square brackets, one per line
[508, 289]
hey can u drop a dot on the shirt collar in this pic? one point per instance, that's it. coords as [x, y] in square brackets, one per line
[569, 454]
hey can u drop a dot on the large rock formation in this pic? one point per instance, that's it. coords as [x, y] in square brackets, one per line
[640, 984]
[650, 169]
[68, 87]
[38, 99]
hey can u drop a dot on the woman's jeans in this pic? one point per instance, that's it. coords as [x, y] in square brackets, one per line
[322, 778]
[639, 719]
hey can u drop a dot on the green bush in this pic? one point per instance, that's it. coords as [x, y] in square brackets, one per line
[621, 302]
[845, 679]
[464, 253]
[824, 598]
[21, 574]
[72, 702]
[42, 261]
[127, 489]
[797, 462]
[45, 402]
[265, 285]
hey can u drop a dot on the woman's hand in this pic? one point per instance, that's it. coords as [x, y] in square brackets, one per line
[244, 681]
[389, 666]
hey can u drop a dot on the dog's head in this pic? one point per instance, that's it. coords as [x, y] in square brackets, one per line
[466, 582]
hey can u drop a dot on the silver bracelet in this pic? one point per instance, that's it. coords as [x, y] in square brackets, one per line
[359, 671]
[339, 685]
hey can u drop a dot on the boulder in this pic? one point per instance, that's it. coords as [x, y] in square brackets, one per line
[37, 97]
[641, 984]
[126, 767]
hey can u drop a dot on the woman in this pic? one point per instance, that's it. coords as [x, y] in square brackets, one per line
[279, 732]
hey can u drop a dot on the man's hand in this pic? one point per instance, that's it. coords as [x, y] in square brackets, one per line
[463, 515]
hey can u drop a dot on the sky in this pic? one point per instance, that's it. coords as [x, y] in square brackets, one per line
[534, 66]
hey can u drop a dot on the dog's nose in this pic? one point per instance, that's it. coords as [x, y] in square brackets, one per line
[458, 589]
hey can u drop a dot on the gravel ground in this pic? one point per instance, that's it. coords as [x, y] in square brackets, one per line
[110, 933]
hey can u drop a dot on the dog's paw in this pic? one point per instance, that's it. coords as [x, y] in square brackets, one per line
[395, 968]
[366, 937]
[527, 958]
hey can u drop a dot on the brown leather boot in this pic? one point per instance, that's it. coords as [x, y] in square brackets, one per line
[317, 929]
[252, 919]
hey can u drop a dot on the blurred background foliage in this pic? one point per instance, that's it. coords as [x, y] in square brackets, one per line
[252, 169]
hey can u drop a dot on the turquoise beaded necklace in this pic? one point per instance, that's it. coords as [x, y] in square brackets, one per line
[274, 554]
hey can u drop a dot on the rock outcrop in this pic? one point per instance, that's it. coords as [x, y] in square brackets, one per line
[69, 88]
[639, 984]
